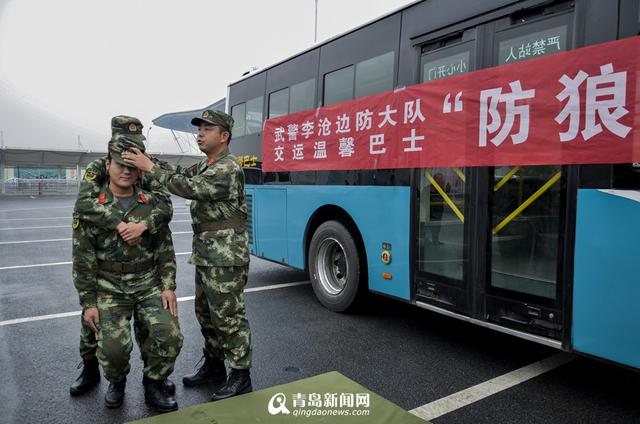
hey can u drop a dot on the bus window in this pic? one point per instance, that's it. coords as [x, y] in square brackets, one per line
[254, 115]
[626, 176]
[533, 45]
[537, 37]
[238, 113]
[279, 103]
[375, 75]
[338, 86]
[441, 222]
[441, 238]
[302, 96]
[525, 229]
[525, 200]
[446, 67]
[446, 60]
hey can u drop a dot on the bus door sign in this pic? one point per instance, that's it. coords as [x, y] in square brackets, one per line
[444, 68]
[529, 46]
[574, 107]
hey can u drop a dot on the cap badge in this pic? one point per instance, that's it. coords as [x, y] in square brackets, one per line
[133, 128]
[205, 114]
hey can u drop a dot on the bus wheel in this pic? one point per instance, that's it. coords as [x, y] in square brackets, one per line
[334, 266]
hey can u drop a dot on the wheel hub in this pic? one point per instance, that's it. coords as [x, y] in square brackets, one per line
[331, 265]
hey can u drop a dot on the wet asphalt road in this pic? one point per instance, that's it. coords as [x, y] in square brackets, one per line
[407, 355]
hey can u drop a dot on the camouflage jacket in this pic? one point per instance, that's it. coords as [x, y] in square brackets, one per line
[88, 208]
[217, 190]
[93, 243]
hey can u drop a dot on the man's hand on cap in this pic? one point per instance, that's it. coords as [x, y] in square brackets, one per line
[135, 157]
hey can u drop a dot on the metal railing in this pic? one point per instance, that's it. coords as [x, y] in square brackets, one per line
[38, 187]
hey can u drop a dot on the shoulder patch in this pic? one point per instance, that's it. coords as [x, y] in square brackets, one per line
[90, 175]
[75, 223]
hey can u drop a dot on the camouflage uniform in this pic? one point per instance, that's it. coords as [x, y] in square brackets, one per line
[125, 281]
[220, 252]
[121, 295]
[89, 209]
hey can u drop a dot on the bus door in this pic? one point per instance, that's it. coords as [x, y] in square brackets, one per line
[441, 206]
[527, 205]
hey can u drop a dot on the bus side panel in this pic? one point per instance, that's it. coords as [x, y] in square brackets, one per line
[270, 223]
[382, 216]
[606, 309]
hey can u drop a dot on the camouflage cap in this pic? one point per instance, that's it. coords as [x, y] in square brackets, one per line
[214, 117]
[126, 133]
[121, 143]
[128, 125]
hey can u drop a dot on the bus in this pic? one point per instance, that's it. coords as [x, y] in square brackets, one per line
[542, 248]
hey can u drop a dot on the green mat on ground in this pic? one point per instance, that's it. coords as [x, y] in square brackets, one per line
[326, 398]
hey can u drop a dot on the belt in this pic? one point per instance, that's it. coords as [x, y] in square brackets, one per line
[125, 266]
[235, 223]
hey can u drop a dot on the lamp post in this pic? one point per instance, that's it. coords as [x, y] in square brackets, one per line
[315, 26]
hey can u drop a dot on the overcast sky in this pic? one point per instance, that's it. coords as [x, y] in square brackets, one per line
[68, 66]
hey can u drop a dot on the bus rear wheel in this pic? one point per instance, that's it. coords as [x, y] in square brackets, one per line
[334, 266]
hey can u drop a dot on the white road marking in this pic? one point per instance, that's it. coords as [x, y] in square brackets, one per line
[68, 226]
[35, 209]
[180, 299]
[39, 318]
[480, 391]
[68, 239]
[59, 263]
[36, 228]
[276, 286]
[34, 219]
[33, 241]
[65, 217]
[34, 265]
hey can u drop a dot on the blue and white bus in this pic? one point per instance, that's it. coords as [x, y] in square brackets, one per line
[563, 269]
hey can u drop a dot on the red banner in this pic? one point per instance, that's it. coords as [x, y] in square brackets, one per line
[576, 107]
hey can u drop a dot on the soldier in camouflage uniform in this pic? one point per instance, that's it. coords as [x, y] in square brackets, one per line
[117, 280]
[220, 251]
[88, 208]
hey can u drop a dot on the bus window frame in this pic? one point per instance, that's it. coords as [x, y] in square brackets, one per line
[458, 290]
[505, 29]
[353, 83]
[450, 50]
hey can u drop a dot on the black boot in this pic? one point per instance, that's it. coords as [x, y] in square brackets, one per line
[211, 371]
[238, 383]
[169, 386]
[115, 394]
[88, 378]
[156, 396]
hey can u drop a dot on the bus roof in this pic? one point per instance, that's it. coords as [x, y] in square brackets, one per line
[328, 40]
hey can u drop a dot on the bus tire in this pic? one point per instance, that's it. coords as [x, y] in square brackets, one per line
[334, 266]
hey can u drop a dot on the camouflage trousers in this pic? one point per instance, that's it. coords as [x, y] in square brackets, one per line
[157, 333]
[89, 342]
[221, 313]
